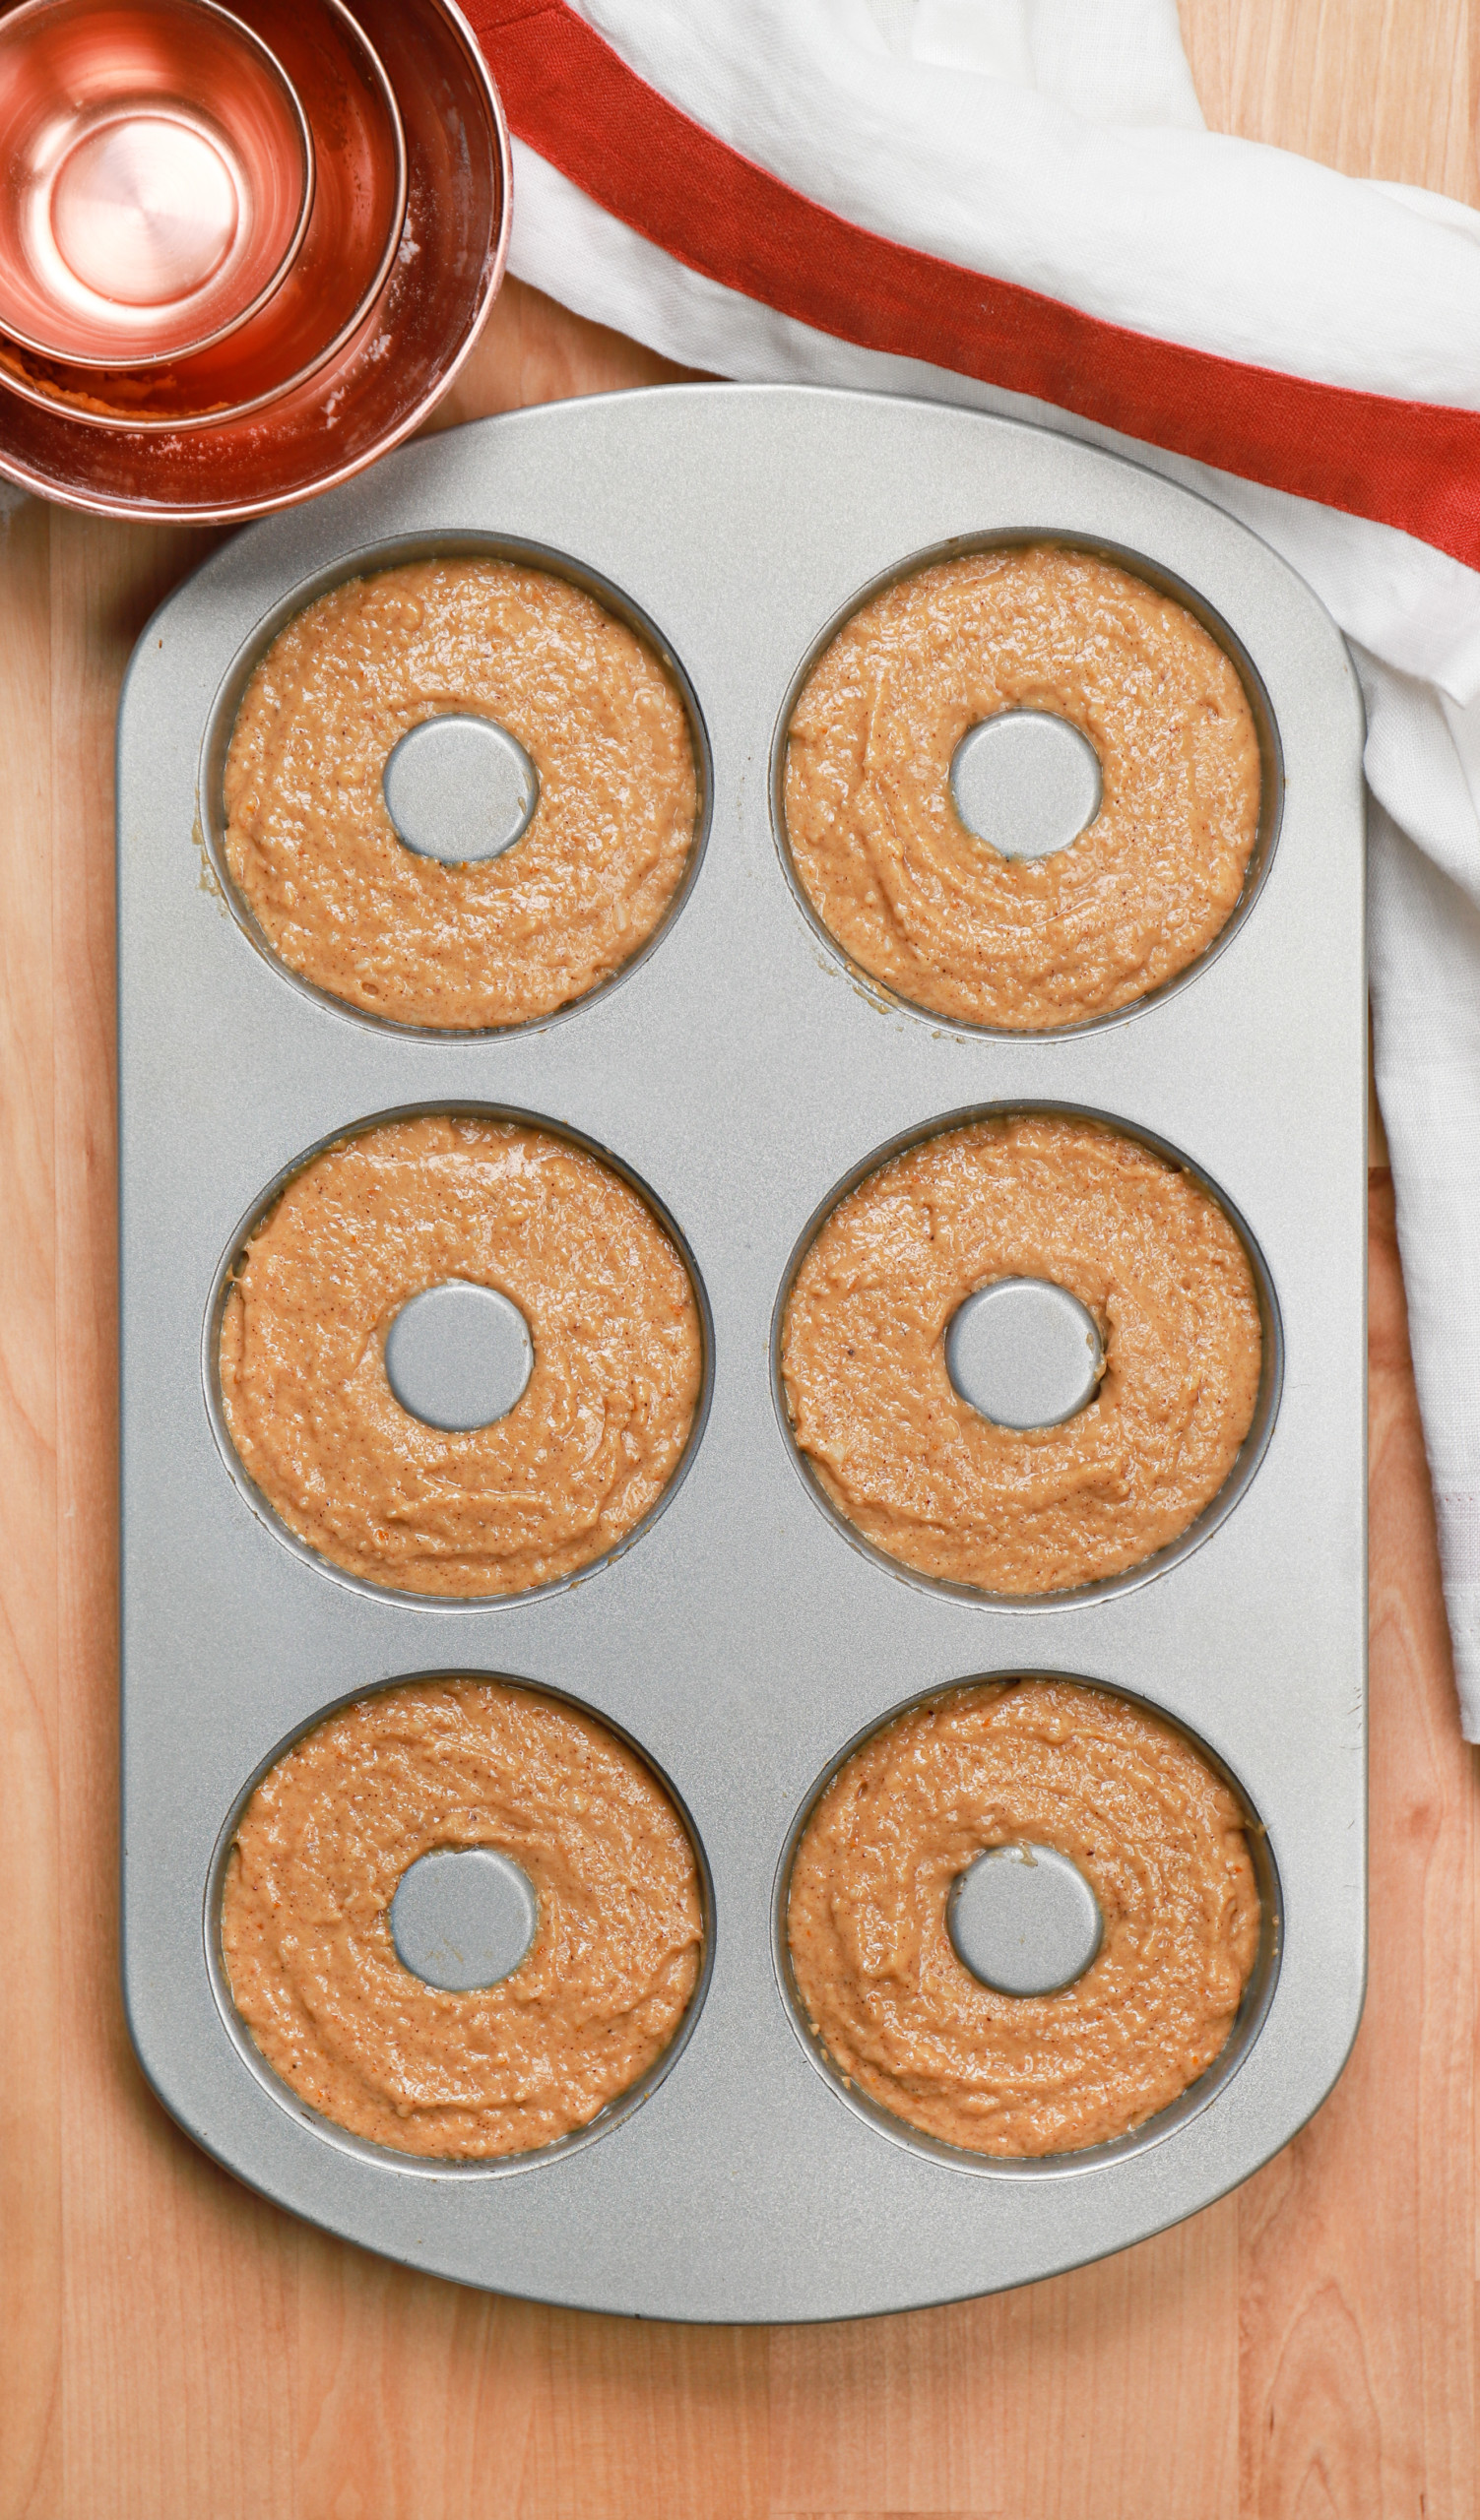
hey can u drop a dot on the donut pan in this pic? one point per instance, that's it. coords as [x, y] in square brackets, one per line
[741, 1073]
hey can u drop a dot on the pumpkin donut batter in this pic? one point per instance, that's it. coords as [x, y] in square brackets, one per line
[1049, 1763]
[603, 1421]
[912, 1465]
[941, 916]
[305, 1919]
[314, 854]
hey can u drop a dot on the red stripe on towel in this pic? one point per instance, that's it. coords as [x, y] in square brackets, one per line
[574, 100]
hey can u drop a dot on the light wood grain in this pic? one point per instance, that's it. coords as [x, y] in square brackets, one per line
[1381, 87]
[31, 2153]
[174, 2349]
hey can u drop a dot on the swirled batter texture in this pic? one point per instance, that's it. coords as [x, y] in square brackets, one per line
[1157, 1835]
[1150, 1255]
[313, 850]
[944, 918]
[305, 1919]
[602, 1419]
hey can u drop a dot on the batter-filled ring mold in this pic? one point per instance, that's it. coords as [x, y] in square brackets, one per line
[460, 1920]
[1028, 786]
[1027, 1923]
[1027, 1353]
[455, 788]
[457, 1355]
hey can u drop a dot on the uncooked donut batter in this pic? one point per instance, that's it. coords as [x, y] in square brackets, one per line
[305, 1919]
[314, 853]
[1157, 1835]
[944, 918]
[1148, 1253]
[603, 1421]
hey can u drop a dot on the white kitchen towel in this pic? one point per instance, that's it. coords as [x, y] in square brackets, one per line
[1058, 145]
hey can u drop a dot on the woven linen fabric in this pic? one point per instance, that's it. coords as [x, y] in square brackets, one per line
[1055, 147]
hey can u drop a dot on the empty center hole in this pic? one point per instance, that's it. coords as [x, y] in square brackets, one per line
[464, 1917]
[1025, 782]
[459, 1355]
[1024, 1353]
[460, 788]
[1024, 1921]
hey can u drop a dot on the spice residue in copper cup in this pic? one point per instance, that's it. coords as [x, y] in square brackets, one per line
[160, 176]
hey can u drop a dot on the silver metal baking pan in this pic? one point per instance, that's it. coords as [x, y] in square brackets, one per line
[741, 1072]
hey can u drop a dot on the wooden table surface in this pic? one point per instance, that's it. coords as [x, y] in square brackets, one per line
[177, 2350]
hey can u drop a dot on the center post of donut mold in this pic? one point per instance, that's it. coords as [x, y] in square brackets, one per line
[464, 1918]
[459, 1355]
[1025, 782]
[1024, 1353]
[1024, 1921]
[460, 788]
